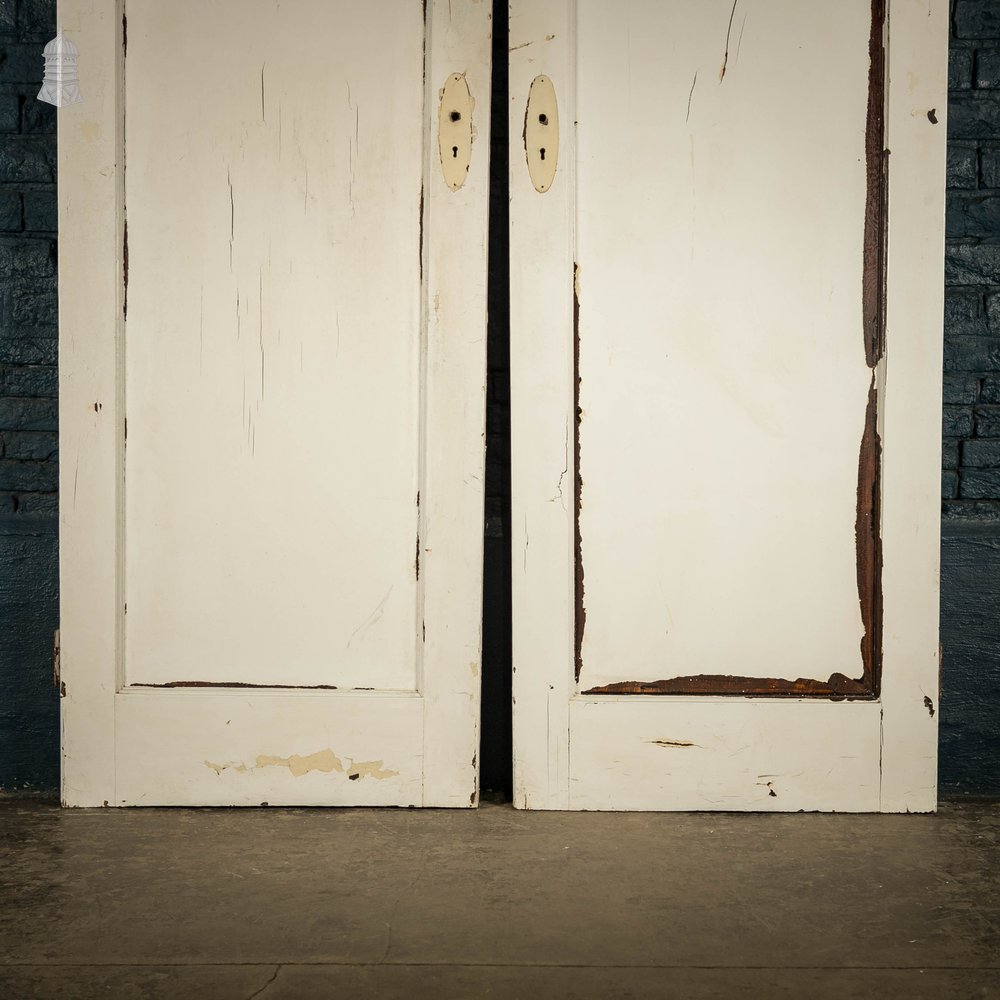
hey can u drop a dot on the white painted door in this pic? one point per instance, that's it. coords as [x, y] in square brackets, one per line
[272, 239]
[726, 327]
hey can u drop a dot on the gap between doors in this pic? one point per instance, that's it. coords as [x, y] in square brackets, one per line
[496, 751]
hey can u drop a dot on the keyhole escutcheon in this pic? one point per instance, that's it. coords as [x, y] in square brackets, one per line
[455, 130]
[541, 133]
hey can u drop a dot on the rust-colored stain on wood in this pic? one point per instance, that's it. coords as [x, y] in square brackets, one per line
[838, 686]
[876, 159]
[868, 520]
[420, 236]
[125, 271]
[868, 537]
[239, 684]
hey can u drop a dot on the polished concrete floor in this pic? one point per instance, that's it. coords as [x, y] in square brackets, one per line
[295, 904]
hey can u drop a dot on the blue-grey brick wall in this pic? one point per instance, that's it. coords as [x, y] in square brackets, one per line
[970, 600]
[29, 708]
[970, 477]
[971, 426]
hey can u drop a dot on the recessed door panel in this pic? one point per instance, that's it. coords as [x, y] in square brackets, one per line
[272, 343]
[723, 379]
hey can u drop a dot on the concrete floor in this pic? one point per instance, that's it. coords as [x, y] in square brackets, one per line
[295, 904]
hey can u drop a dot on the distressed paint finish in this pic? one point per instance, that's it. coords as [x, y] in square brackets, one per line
[306, 310]
[868, 541]
[686, 756]
[768, 748]
[212, 748]
[869, 569]
[543, 422]
[877, 177]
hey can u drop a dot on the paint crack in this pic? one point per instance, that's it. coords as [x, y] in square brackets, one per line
[729, 32]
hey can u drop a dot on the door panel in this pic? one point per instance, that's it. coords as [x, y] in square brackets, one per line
[725, 450]
[271, 471]
[722, 355]
[638, 753]
[273, 317]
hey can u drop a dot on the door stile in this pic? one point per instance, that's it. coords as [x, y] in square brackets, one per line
[451, 537]
[545, 486]
[91, 395]
[911, 434]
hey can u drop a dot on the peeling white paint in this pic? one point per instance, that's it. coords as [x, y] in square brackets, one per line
[323, 761]
[240, 768]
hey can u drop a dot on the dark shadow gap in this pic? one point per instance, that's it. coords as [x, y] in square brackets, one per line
[496, 750]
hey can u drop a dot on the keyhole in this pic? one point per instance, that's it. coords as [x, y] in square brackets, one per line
[456, 116]
[541, 152]
[543, 119]
[454, 152]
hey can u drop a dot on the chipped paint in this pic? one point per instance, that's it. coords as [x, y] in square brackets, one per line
[322, 761]
[125, 270]
[240, 768]
[420, 241]
[369, 769]
[876, 169]
[239, 684]
[56, 658]
[868, 539]
[416, 561]
[580, 616]
[837, 687]
[325, 761]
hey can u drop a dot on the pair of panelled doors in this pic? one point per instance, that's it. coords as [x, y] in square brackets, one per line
[726, 237]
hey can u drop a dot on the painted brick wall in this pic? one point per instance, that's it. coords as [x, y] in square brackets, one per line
[971, 431]
[29, 709]
[970, 479]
